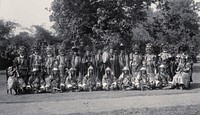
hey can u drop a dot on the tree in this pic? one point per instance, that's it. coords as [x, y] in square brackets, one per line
[96, 20]
[6, 29]
[174, 21]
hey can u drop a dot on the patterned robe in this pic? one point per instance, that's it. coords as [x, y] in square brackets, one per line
[22, 64]
[135, 63]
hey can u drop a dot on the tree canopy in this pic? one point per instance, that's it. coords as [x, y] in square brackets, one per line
[127, 21]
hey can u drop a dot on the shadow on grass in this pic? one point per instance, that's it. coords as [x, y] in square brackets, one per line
[196, 69]
[195, 85]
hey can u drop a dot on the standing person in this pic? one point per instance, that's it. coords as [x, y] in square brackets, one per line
[150, 63]
[116, 68]
[98, 62]
[165, 58]
[49, 62]
[109, 81]
[105, 59]
[114, 61]
[63, 64]
[22, 65]
[34, 80]
[88, 59]
[135, 60]
[76, 59]
[123, 58]
[35, 59]
[90, 81]
[55, 79]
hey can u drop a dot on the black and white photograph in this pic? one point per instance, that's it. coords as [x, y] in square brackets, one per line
[99, 57]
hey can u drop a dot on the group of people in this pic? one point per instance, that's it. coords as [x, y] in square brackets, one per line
[105, 70]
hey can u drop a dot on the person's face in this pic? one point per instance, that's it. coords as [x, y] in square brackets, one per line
[183, 60]
[136, 52]
[126, 72]
[36, 52]
[55, 72]
[90, 71]
[122, 51]
[87, 52]
[62, 53]
[143, 72]
[35, 73]
[99, 51]
[108, 72]
[21, 53]
[147, 50]
[75, 53]
[73, 72]
[162, 70]
[111, 51]
[48, 52]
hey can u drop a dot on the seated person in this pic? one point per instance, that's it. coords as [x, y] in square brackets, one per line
[34, 81]
[55, 80]
[90, 81]
[71, 80]
[124, 80]
[109, 81]
[182, 77]
[142, 80]
[162, 77]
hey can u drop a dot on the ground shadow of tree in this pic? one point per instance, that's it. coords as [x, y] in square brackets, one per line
[196, 69]
[195, 86]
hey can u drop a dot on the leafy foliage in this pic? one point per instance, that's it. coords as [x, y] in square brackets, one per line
[96, 20]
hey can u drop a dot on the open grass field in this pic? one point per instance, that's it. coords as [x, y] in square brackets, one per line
[150, 102]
